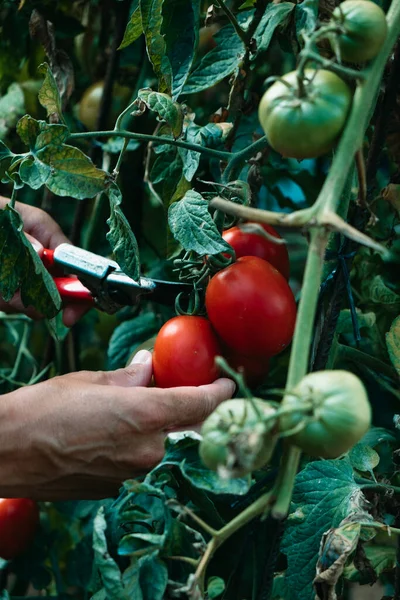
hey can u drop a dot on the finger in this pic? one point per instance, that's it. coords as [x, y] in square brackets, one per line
[187, 406]
[35, 243]
[137, 374]
[73, 312]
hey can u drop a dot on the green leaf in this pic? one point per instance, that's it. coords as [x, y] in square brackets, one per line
[164, 106]
[133, 30]
[129, 335]
[275, 15]
[21, 268]
[167, 169]
[12, 106]
[219, 63]
[215, 587]
[180, 26]
[121, 237]
[381, 558]
[182, 450]
[153, 578]
[325, 493]
[212, 135]
[200, 232]
[65, 170]
[364, 458]
[393, 344]
[109, 571]
[5, 152]
[152, 19]
[306, 15]
[115, 145]
[49, 95]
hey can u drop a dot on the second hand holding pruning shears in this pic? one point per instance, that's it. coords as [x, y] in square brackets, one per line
[98, 281]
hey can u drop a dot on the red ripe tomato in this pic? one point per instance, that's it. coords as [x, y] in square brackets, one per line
[251, 307]
[19, 518]
[255, 244]
[184, 353]
[255, 368]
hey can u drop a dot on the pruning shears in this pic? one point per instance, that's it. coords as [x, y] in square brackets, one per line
[98, 281]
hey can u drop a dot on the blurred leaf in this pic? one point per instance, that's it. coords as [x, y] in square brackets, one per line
[215, 587]
[363, 458]
[49, 95]
[129, 335]
[151, 12]
[65, 170]
[325, 493]
[200, 232]
[121, 237]
[12, 106]
[393, 343]
[134, 28]
[219, 63]
[380, 558]
[180, 27]
[306, 15]
[22, 269]
[115, 145]
[109, 571]
[275, 15]
[164, 106]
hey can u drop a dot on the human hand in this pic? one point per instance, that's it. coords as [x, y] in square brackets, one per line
[43, 232]
[81, 435]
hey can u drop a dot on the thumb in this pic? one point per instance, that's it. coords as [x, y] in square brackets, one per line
[137, 374]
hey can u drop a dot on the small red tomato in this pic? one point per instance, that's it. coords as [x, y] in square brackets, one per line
[255, 369]
[19, 518]
[251, 307]
[255, 244]
[184, 353]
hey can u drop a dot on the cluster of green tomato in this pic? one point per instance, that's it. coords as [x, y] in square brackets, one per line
[302, 119]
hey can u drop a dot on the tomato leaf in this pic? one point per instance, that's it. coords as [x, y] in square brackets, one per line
[393, 343]
[380, 558]
[164, 106]
[180, 27]
[134, 28]
[22, 269]
[306, 15]
[49, 95]
[219, 63]
[121, 237]
[64, 170]
[215, 587]
[200, 232]
[325, 493]
[182, 450]
[364, 458]
[12, 106]
[152, 19]
[110, 574]
[211, 135]
[276, 15]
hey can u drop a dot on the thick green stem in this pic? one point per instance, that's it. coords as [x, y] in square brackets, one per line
[238, 159]
[221, 154]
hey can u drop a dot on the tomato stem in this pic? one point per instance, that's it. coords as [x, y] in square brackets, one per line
[241, 33]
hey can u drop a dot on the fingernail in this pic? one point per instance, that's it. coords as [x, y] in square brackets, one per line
[142, 357]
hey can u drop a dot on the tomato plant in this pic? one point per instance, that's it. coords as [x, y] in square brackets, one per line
[19, 519]
[235, 440]
[184, 353]
[305, 123]
[338, 417]
[251, 307]
[300, 472]
[364, 29]
[253, 243]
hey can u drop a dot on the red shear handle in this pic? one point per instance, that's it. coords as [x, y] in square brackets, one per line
[72, 290]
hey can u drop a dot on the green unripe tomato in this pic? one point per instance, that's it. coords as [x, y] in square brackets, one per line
[305, 126]
[340, 414]
[365, 29]
[89, 106]
[235, 441]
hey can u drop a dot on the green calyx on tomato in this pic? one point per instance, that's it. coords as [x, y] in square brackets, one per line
[19, 518]
[89, 106]
[364, 30]
[339, 416]
[251, 307]
[305, 121]
[236, 440]
[184, 353]
[250, 241]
